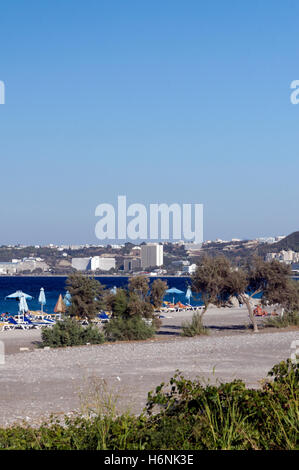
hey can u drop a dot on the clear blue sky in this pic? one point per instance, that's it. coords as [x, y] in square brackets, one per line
[163, 101]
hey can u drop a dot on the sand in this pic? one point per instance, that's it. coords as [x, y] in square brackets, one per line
[36, 383]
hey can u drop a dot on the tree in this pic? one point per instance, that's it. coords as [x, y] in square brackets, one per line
[86, 296]
[120, 303]
[139, 285]
[272, 281]
[158, 289]
[214, 280]
[217, 280]
[139, 297]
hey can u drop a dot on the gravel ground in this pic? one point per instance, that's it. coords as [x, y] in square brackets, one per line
[37, 383]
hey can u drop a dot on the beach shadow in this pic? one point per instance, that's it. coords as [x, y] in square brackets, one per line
[37, 344]
[169, 333]
[228, 327]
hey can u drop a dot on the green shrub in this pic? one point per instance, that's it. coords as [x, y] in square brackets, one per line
[125, 329]
[70, 333]
[195, 327]
[288, 319]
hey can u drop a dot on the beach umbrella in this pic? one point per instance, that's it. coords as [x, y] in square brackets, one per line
[42, 298]
[23, 307]
[17, 296]
[60, 306]
[188, 294]
[174, 290]
[67, 299]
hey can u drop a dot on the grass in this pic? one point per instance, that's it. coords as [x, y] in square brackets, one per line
[288, 319]
[195, 327]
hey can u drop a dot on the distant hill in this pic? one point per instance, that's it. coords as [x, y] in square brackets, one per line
[291, 242]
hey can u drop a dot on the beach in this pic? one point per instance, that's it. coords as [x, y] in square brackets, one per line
[39, 382]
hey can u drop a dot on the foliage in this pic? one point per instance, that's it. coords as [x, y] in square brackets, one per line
[86, 296]
[183, 415]
[126, 329]
[70, 333]
[216, 280]
[158, 289]
[288, 319]
[195, 327]
[139, 285]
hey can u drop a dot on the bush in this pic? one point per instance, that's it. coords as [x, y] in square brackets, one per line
[195, 327]
[288, 319]
[70, 333]
[126, 329]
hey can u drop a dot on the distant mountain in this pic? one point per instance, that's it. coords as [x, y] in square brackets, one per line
[291, 242]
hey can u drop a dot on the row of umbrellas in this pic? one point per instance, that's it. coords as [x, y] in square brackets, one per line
[22, 298]
[62, 303]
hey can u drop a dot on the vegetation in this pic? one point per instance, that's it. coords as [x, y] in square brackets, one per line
[195, 327]
[288, 319]
[158, 289]
[86, 296]
[126, 329]
[184, 415]
[217, 280]
[70, 333]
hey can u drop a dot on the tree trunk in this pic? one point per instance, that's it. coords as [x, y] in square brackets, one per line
[250, 312]
[203, 312]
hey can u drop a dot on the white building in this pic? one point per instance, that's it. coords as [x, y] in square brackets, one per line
[189, 269]
[151, 255]
[102, 263]
[284, 256]
[81, 264]
[95, 263]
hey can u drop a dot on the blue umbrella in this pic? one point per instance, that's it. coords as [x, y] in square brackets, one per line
[18, 294]
[42, 298]
[174, 290]
[67, 299]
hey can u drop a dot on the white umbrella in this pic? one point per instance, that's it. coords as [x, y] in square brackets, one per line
[42, 298]
[188, 294]
[23, 307]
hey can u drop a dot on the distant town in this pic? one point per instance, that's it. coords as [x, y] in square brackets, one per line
[155, 259]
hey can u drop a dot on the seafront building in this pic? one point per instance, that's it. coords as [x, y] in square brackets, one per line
[285, 256]
[94, 263]
[151, 255]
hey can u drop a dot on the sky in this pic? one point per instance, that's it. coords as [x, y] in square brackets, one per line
[162, 101]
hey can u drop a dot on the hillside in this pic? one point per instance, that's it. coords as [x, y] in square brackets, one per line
[291, 242]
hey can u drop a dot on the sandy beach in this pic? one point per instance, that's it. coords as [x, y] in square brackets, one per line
[39, 382]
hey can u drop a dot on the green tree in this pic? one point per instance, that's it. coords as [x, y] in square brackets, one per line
[86, 296]
[140, 286]
[214, 280]
[158, 289]
[120, 303]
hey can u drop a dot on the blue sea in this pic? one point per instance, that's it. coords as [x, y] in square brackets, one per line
[57, 285]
